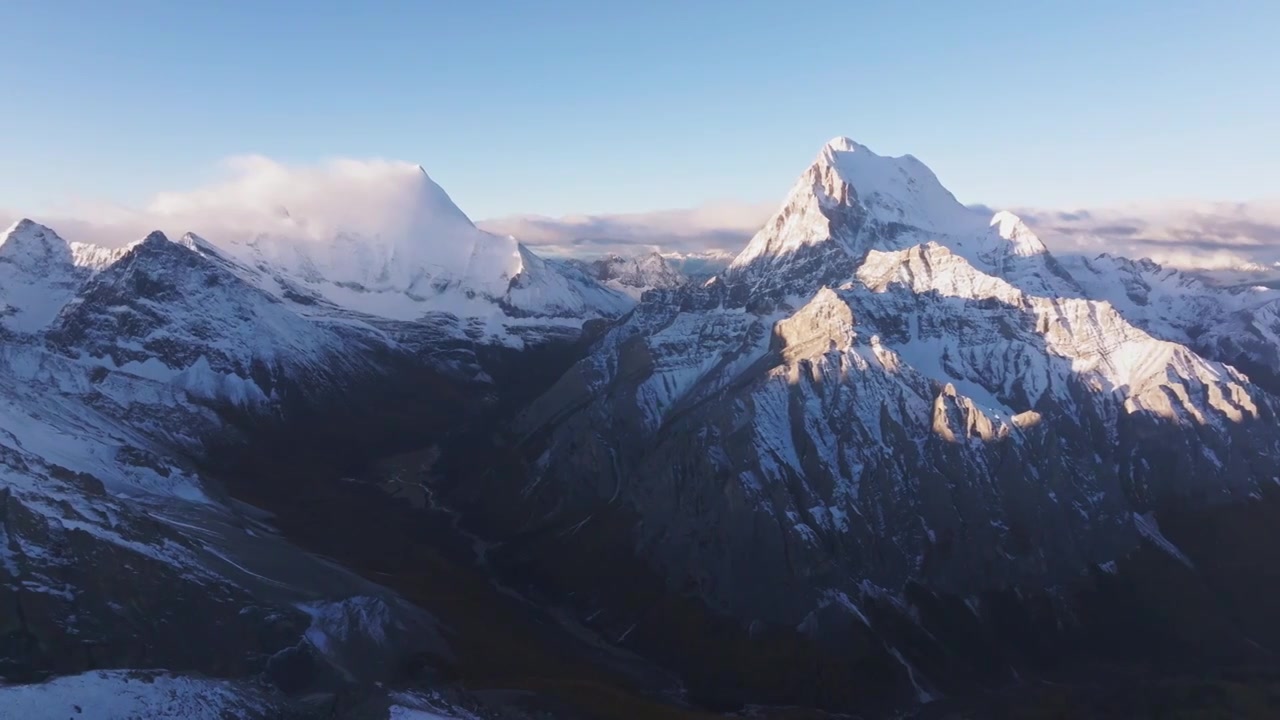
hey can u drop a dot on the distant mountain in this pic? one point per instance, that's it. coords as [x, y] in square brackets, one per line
[632, 275]
[38, 275]
[699, 264]
[428, 258]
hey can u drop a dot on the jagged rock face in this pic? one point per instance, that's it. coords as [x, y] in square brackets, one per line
[545, 289]
[1249, 339]
[1235, 325]
[833, 460]
[884, 389]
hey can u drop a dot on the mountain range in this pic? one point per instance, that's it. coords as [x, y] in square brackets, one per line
[896, 456]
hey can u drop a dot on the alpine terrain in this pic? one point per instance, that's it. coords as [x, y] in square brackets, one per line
[898, 451]
[144, 389]
[897, 458]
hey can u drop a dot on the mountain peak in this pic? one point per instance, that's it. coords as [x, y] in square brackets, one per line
[391, 230]
[1022, 240]
[432, 205]
[37, 276]
[899, 190]
[31, 245]
[849, 192]
[157, 247]
[843, 144]
[153, 237]
[25, 227]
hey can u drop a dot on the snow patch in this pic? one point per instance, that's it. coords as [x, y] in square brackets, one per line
[119, 694]
[1150, 529]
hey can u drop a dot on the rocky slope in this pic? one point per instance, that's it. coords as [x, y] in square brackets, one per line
[138, 384]
[115, 552]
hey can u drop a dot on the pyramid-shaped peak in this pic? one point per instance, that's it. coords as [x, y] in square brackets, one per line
[1021, 239]
[899, 189]
[26, 227]
[377, 202]
[852, 196]
[27, 241]
[844, 144]
[1007, 223]
[398, 196]
[437, 206]
[153, 237]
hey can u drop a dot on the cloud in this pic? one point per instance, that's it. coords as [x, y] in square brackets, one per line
[258, 195]
[1186, 235]
[722, 228]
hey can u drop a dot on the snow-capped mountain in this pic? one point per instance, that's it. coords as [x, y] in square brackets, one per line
[702, 264]
[900, 204]
[38, 275]
[230, 318]
[887, 388]
[632, 275]
[422, 257]
[135, 380]
[116, 549]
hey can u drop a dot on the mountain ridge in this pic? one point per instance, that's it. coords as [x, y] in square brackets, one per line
[895, 451]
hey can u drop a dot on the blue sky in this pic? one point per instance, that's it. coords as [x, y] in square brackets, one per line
[561, 107]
